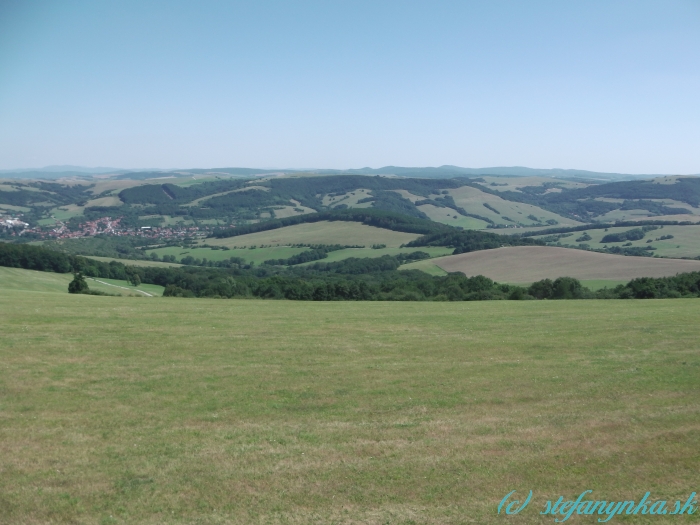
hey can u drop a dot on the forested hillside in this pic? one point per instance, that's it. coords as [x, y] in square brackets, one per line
[232, 204]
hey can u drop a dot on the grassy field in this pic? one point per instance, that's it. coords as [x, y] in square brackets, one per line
[472, 200]
[17, 279]
[257, 255]
[131, 262]
[430, 267]
[291, 211]
[8, 208]
[349, 199]
[685, 242]
[427, 266]
[451, 217]
[119, 286]
[526, 264]
[369, 252]
[323, 232]
[515, 183]
[216, 411]
[599, 284]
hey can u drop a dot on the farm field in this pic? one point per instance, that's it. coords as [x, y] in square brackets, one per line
[427, 266]
[323, 232]
[8, 208]
[257, 255]
[473, 200]
[695, 218]
[63, 213]
[685, 241]
[339, 255]
[599, 284]
[452, 218]
[118, 286]
[431, 268]
[526, 264]
[17, 279]
[291, 211]
[131, 262]
[225, 411]
[515, 183]
[260, 255]
[349, 198]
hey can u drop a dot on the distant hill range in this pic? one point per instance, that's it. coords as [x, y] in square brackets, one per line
[61, 172]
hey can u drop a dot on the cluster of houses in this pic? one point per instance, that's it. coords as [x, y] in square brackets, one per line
[12, 223]
[109, 226]
[103, 225]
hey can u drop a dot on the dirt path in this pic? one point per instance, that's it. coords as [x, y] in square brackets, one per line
[122, 287]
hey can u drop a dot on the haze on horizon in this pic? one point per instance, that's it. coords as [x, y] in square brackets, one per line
[606, 86]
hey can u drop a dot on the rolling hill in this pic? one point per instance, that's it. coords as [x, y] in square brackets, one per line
[200, 203]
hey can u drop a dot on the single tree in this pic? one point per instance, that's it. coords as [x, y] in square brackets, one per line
[78, 284]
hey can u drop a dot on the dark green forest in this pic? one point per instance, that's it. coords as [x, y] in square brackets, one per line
[236, 200]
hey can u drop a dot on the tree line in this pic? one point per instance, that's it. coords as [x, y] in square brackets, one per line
[364, 279]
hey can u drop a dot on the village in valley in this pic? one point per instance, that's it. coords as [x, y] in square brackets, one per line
[15, 227]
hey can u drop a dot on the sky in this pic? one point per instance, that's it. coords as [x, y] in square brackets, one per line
[602, 85]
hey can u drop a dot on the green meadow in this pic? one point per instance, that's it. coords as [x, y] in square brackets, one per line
[133, 262]
[250, 255]
[322, 232]
[183, 411]
[17, 279]
[259, 255]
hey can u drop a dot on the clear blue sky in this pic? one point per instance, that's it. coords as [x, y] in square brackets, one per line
[602, 85]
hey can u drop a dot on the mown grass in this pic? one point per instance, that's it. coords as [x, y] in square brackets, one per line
[427, 266]
[323, 232]
[593, 284]
[117, 410]
[452, 218]
[256, 255]
[133, 262]
[48, 282]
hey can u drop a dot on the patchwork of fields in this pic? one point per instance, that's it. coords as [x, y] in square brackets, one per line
[215, 411]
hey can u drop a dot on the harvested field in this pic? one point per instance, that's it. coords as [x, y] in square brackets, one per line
[523, 264]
